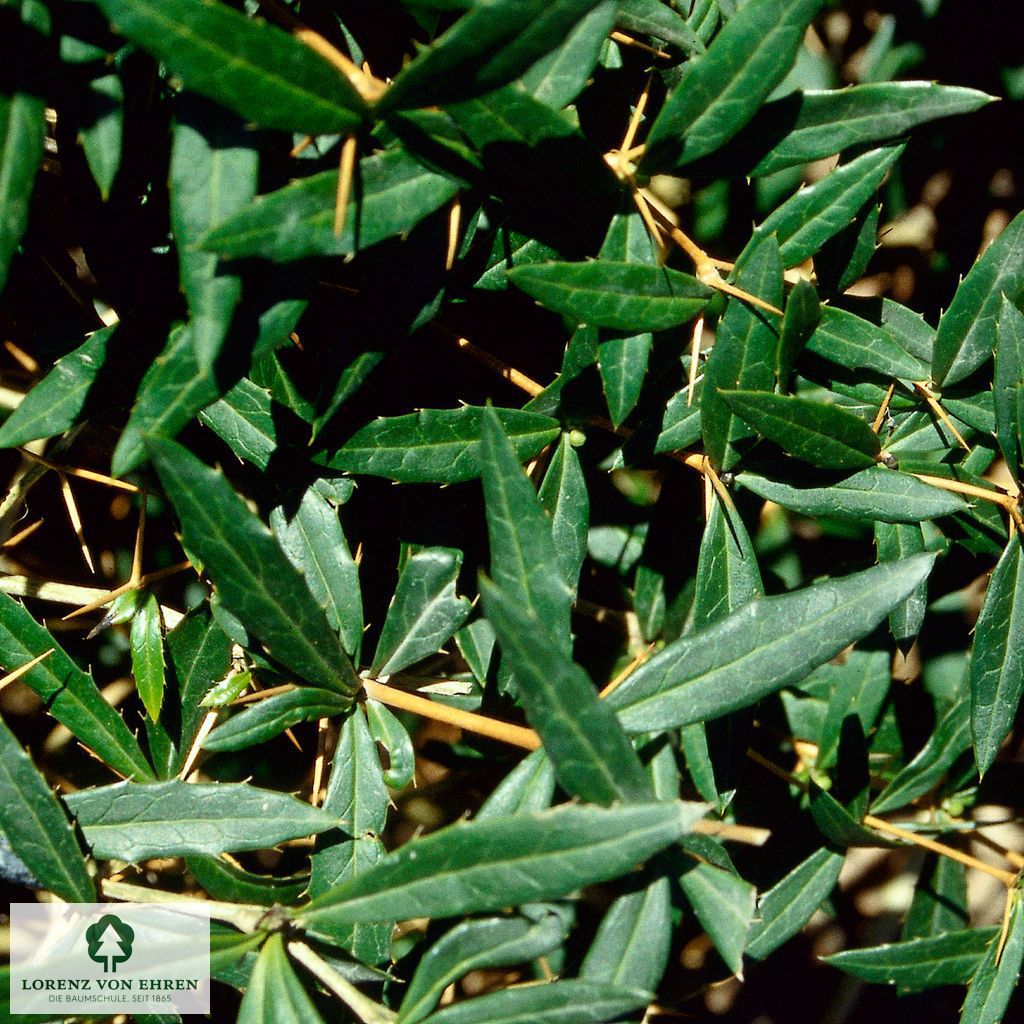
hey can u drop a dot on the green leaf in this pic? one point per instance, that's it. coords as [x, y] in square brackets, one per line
[940, 899]
[529, 787]
[896, 541]
[36, 826]
[489, 46]
[1007, 390]
[633, 940]
[996, 977]
[723, 89]
[22, 124]
[802, 316]
[920, 964]
[437, 445]
[274, 994]
[838, 825]
[825, 435]
[147, 646]
[313, 540]
[501, 862]
[875, 493]
[214, 169]
[524, 564]
[256, 69]
[393, 193]
[132, 821]
[246, 419]
[593, 759]
[622, 363]
[997, 658]
[355, 792]
[653, 18]
[724, 905]
[389, 732]
[424, 613]
[858, 688]
[224, 881]
[767, 644]
[789, 904]
[967, 330]
[254, 579]
[470, 946]
[55, 404]
[102, 133]
[270, 717]
[604, 293]
[807, 220]
[70, 695]
[744, 354]
[563, 493]
[557, 1002]
[848, 341]
[809, 125]
[949, 740]
[559, 76]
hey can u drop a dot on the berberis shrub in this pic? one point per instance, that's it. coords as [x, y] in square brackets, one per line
[467, 461]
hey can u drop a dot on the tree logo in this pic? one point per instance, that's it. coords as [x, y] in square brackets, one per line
[110, 942]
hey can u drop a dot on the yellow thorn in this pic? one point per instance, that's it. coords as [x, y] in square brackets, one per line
[318, 765]
[929, 396]
[140, 534]
[638, 114]
[883, 408]
[698, 334]
[150, 577]
[454, 225]
[14, 541]
[27, 667]
[621, 37]
[76, 520]
[346, 168]
[83, 474]
[197, 744]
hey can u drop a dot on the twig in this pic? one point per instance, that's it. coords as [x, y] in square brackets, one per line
[83, 474]
[365, 1008]
[627, 671]
[883, 408]
[926, 392]
[246, 917]
[346, 169]
[149, 577]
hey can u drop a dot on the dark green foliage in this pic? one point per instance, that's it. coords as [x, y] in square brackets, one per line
[412, 335]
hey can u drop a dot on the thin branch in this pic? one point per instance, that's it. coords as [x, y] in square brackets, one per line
[365, 1008]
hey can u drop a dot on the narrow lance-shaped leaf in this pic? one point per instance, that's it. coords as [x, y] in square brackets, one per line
[469, 946]
[593, 759]
[389, 732]
[253, 577]
[56, 402]
[274, 993]
[357, 794]
[744, 355]
[622, 363]
[920, 964]
[810, 125]
[802, 316]
[466, 868]
[606, 293]
[653, 18]
[437, 445]
[896, 541]
[967, 330]
[723, 89]
[70, 695]
[255, 69]
[394, 194]
[875, 493]
[530, 786]
[424, 613]
[764, 646]
[313, 540]
[1007, 390]
[132, 821]
[807, 220]
[826, 436]
[268, 718]
[853, 343]
[246, 419]
[22, 125]
[147, 645]
[102, 133]
[724, 904]
[563, 493]
[214, 168]
[489, 46]
[631, 946]
[940, 899]
[559, 1002]
[996, 977]
[788, 905]
[523, 559]
[997, 657]
[222, 880]
[36, 826]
